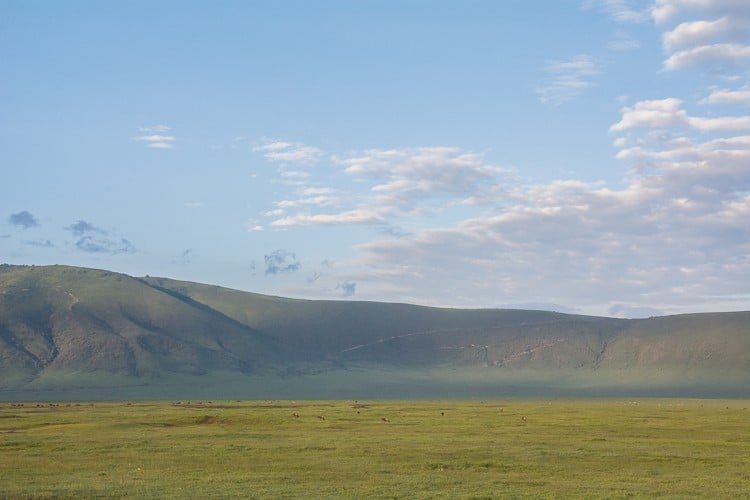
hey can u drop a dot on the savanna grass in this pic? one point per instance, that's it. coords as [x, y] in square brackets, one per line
[512, 448]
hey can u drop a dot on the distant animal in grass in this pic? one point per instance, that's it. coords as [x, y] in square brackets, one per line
[385, 419]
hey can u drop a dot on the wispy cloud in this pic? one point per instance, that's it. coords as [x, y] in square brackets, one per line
[289, 152]
[620, 11]
[154, 137]
[567, 79]
[23, 219]
[391, 184]
[621, 41]
[40, 243]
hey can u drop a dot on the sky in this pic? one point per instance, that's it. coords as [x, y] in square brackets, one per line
[585, 156]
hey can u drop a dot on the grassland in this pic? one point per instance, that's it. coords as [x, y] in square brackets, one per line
[613, 448]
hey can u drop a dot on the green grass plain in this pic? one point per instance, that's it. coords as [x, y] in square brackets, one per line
[503, 448]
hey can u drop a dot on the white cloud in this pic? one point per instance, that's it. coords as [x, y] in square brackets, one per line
[396, 183]
[289, 152]
[156, 140]
[567, 80]
[673, 237]
[621, 41]
[726, 96]
[667, 113]
[720, 52]
[159, 129]
[358, 216]
[699, 32]
[666, 10]
[620, 11]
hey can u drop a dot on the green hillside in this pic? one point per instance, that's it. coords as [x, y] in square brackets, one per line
[75, 329]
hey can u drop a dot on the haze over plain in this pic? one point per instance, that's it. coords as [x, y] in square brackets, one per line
[583, 156]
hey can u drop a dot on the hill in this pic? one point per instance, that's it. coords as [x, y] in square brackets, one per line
[94, 333]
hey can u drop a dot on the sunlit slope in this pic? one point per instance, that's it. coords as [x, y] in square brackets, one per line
[61, 318]
[712, 341]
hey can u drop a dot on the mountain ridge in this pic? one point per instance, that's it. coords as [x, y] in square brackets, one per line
[70, 327]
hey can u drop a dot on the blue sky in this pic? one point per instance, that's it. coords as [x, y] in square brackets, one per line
[587, 156]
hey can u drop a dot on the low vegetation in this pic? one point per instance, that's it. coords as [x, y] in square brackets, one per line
[83, 330]
[613, 448]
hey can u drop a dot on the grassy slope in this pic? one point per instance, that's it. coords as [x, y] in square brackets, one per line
[56, 319]
[64, 326]
[408, 335]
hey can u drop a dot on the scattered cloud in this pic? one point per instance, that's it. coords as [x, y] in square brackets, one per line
[620, 11]
[281, 262]
[567, 80]
[82, 227]
[40, 243]
[667, 113]
[347, 288]
[289, 152]
[720, 52]
[157, 129]
[92, 239]
[23, 219]
[154, 137]
[695, 33]
[387, 184]
[93, 244]
[621, 41]
[358, 216]
[666, 10]
[727, 96]
[707, 33]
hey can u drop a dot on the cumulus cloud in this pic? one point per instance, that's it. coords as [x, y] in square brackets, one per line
[667, 113]
[567, 80]
[699, 32]
[674, 235]
[281, 262]
[713, 33]
[154, 137]
[720, 52]
[23, 219]
[727, 96]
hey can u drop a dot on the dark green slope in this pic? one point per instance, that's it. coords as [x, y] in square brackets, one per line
[408, 335]
[62, 318]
